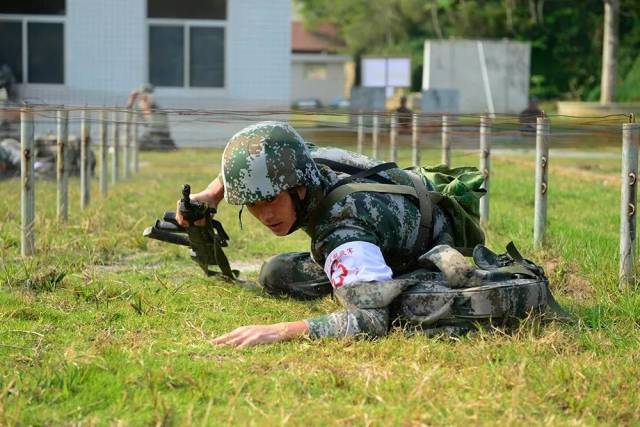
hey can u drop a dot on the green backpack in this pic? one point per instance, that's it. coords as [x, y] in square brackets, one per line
[458, 192]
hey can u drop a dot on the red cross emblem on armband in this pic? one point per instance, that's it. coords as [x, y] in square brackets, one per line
[338, 274]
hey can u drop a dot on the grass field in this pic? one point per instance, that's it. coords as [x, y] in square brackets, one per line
[105, 327]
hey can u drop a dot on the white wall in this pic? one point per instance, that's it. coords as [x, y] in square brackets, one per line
[456, 65]
[106, 57]
[105, 54]
[259, 49]
[325, 90]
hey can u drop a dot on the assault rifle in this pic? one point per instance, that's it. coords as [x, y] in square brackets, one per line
[206, 241]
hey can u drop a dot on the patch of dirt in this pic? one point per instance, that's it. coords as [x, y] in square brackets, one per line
[565, 277]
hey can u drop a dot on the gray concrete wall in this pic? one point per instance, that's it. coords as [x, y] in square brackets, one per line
[456, 64]
[325, 90]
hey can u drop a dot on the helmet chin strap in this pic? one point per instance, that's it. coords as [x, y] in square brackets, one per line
[299, 206]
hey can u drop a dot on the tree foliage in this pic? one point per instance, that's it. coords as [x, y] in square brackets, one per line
[565, 35]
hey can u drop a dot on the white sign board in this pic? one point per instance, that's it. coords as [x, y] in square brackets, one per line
[399, 72]
[386, 72]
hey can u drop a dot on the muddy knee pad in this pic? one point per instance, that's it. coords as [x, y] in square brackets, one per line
[294, 274]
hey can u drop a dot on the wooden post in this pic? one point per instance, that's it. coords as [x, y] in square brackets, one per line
[127, 144]
[62, 173]
[393, 138]
[629, 194]
[446, 143]
[415, 141]
[27, 182]
[136, 149]
[485, 165]
[85, 169]
[115, 159]
[104, 154]
[376, 130]
[609, 51]
[360, 133]
[542, 183]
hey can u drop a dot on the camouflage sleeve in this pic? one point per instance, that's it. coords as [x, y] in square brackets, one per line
[366, 311]
[389, 221]
[369, 322]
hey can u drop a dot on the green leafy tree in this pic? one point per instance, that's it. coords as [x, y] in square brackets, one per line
[565, 35]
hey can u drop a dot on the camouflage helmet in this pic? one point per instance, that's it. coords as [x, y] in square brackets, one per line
[263, 160]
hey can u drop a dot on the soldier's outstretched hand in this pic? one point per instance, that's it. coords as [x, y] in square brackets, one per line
[246, 336]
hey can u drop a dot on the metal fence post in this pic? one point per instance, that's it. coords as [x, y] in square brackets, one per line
[62, 172]
[136, 149]
[629, 194]
[127, 144]
[104, 154]
[415, 141]
[115, 165]
[376, 130]
[542, 183]
[446, 143]
[27, 182]
[485, 165]
[85, 183]
[393, 138]
[360, 133]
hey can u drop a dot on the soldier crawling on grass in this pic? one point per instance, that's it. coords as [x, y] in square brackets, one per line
[369, 224]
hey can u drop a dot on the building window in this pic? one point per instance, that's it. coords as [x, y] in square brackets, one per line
[315, 71]
[33, 7]
[187, 43]
[45, 52]
[187, 9]
[11, 47]
[206, 68]
[166, 55]
[34, 50]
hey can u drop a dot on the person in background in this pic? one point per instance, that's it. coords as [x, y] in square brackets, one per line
[528, 116]
[156, 135]
[404, 116]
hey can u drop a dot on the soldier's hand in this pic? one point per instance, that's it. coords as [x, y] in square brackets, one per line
[246, 336]
[183, 222]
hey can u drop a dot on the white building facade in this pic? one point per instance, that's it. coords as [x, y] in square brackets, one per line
[198, 53]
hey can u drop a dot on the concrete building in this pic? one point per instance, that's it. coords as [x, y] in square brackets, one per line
[316, 70]
[211, 54]
[488, 76]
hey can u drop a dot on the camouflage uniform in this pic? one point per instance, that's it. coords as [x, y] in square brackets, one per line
[261, 152]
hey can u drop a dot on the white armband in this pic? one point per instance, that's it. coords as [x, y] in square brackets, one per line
[356, 262]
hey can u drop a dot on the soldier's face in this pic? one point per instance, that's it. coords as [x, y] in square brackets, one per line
[278, 213]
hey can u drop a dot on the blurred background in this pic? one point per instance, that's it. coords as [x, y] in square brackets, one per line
[240, 61]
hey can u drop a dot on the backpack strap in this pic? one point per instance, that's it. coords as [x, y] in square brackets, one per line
[357, 172]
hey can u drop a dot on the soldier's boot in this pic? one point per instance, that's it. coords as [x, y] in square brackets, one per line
[294, 274]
